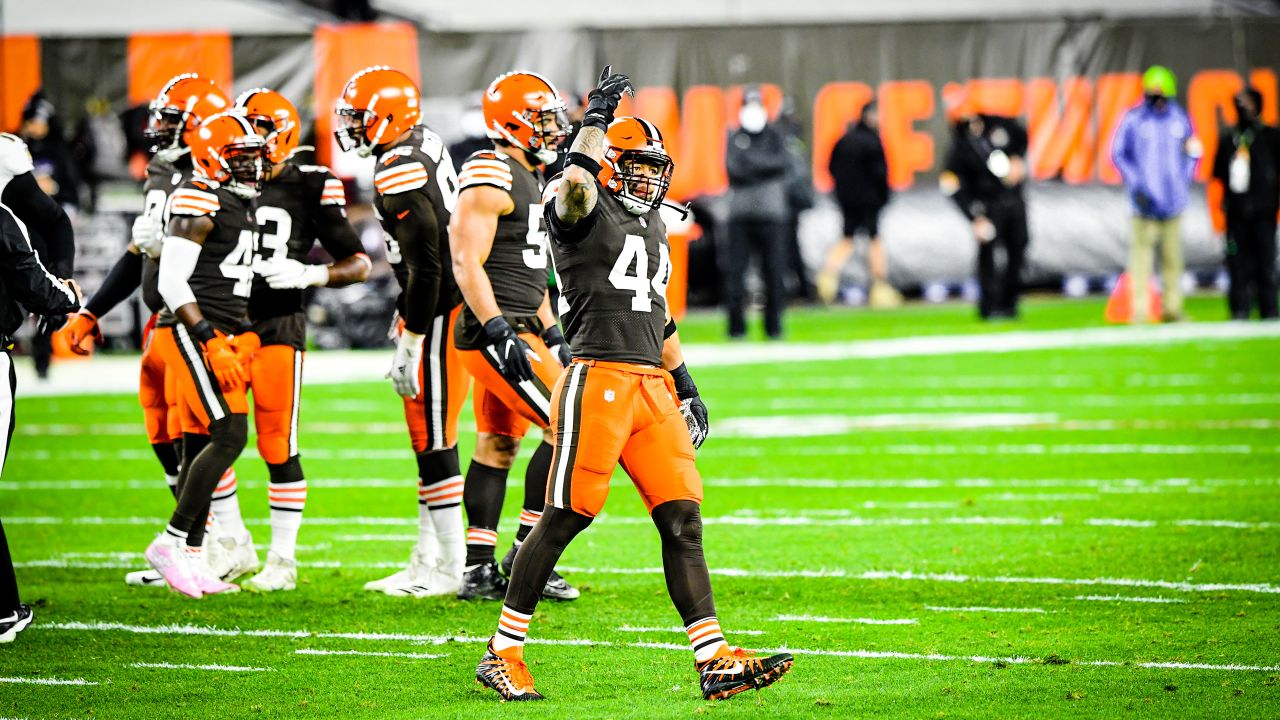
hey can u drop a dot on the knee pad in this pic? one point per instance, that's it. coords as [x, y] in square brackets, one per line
[559, 525]
[289, 471]
[231, 433]
[679, 521]
[438, 465]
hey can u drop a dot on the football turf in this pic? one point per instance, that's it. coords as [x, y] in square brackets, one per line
[1089, 531]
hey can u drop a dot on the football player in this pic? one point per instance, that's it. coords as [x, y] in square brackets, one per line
[299, 205]
[205, 279]
[627, 397]
[174, 115]
[379, 114]
[507, 335]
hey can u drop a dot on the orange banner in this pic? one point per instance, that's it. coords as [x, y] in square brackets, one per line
[155, 58]
[343, 50]
[19, 77]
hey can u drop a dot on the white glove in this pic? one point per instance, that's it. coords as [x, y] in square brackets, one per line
[148, 235]
[405, 365]
[286, 274]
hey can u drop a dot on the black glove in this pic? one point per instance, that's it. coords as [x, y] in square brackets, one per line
[691, 406]
[603, 101]
[1142, 200]
[47, 325]
[511, 351]
[556, 343]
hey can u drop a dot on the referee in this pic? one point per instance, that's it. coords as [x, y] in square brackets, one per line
[25, 287]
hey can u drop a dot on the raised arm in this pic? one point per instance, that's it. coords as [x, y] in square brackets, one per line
[576, 197]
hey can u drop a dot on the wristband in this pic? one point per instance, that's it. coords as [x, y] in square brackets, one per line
[669, 330]
[583, 161]
[685, 388]
[202, 332]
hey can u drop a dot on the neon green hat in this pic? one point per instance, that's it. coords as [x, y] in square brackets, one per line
[1161, 79]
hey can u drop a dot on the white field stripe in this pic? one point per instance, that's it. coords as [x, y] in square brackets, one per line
[996, 449]
[1041, 497]
[215, 668]
[990, 401]
[816, 425]
[937, 608]
[858, 621]
[361, 653]
[44, 681]
[441, 639]
[1128, 598]
[679, 630]
[120, 374]
[1016, 382]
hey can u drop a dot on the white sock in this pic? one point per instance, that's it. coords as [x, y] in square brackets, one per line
[512, 628]
[286, 501]
[706, 638]
[226, 506]
[443, 501]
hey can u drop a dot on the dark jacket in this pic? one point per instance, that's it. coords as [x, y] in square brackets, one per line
[859, 169]
[1262, 145]
[968, 172]
[759, 166]
[25, 286]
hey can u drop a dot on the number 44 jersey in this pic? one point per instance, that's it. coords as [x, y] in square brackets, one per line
[223, 275]
[517, 262]
[613, 269]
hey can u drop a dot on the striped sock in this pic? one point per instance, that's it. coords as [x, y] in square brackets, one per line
[528, 518]
[508, 641]
[226, 506]
[442, 500]
[480, 545]
[286, 501]
[706, 638]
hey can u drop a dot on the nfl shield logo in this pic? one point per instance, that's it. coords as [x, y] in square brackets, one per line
[608, 396]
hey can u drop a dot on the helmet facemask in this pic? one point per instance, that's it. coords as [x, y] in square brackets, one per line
[355, 130]
[164, 131]
[548, 129]
[643, 178]
[245, 164]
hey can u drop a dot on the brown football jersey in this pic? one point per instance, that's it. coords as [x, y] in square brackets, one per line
[223, 276]
[162, 179]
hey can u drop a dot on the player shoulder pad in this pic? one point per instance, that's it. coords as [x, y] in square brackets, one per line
[15, 159]
[331, 190]
[485, 167]
[398, 171]
[194, 199]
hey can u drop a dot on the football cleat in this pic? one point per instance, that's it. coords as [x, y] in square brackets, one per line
[278, 574]
[168, 555]
[415, 580]
[483, 582]
[207, 580]
[724, 676]
[16, 622]
[144, 578]
[242, 557]
[557, 588]
[509, 678]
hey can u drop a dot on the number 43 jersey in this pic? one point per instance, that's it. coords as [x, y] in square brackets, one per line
[223, 276]
[302, 204]
[517, 262]
[613, 269]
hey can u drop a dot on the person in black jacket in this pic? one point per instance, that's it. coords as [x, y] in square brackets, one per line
[861, 176]
[984, 174]
[25, 287]
[1248, 165]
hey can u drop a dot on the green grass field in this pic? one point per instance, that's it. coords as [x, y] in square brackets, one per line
[1088, 532]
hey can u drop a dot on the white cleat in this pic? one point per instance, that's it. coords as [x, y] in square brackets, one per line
[278, 574]
[168, 555]
[447, 579]
[242, 557]
[397, 578]
[207, 580]
[416, 580]
[144, 578]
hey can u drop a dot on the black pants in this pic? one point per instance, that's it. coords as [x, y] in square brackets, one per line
[765, 241]
[799, 286]
[1251, 265]
[1000, 260]
[8, 383]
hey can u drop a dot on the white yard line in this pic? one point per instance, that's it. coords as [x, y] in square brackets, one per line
[857, 621]
[680, 630]
[440, 639]
[936, 608]
[361, 653]
[1128, 598]
[44, 681]
[213, 668]
[996, 449]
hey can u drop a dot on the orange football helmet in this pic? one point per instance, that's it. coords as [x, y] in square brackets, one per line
[182, 104]
[525, 110]
[272, 113]
[376, 106]
[636, 167]
[229, 151]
